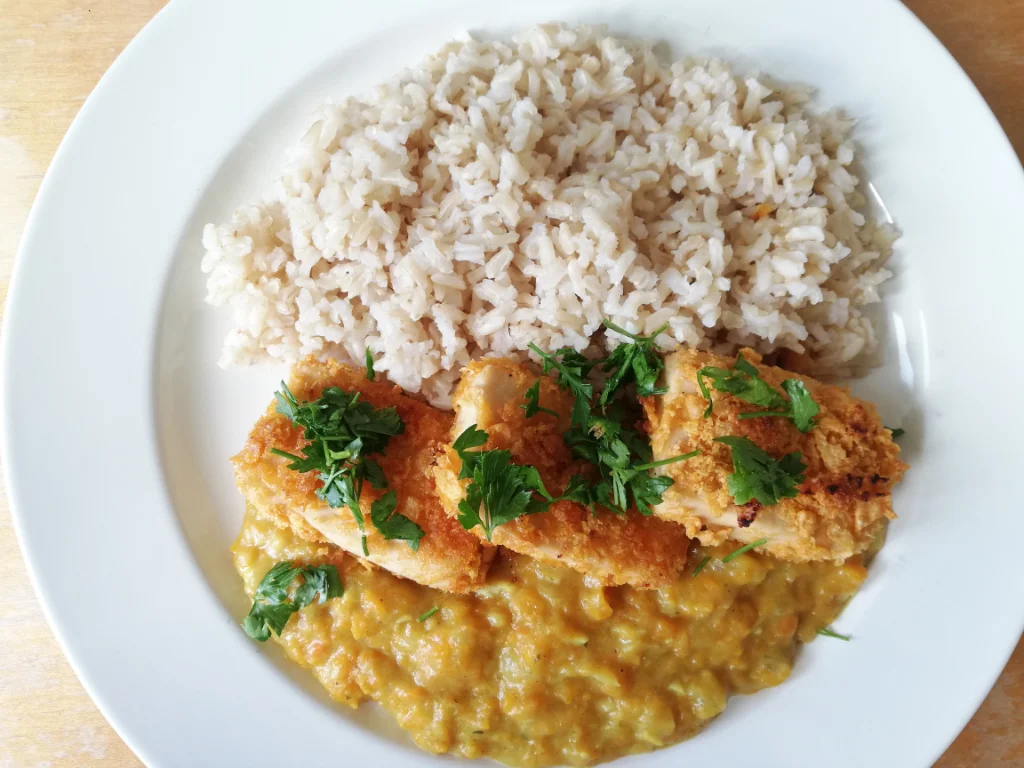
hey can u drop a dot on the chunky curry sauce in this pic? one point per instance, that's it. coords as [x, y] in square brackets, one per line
[543, 667]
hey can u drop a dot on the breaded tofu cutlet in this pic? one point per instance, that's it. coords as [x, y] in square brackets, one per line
[448, 557]
[632, 549]
[852, 464]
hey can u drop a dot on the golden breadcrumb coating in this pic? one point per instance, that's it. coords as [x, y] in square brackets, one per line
[852, 465]
[449, 557]
[636, 550]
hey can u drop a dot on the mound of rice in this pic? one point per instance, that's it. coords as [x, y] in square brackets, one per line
[502, 194]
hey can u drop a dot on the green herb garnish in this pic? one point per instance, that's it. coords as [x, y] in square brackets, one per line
[532, 406]
[572, 370]
[621, 454]
[271, 606]
[700, 566]
[393, 525]
[756, 475]
[342, 431]
[471, 437]
[744, 548]
[498, 491]
[623, 458]
[370, 373]
[744, 382]
[803, 411]
[638, 362]
[428, 614]
[898, 432]
[826, 632]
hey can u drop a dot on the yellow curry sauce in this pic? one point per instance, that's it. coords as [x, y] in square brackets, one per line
[541, 667]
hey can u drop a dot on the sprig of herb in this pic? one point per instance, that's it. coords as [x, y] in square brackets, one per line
[428, 614]
[370, 373]
[826, 632]
[803, 411]
[745, 548]
[757, 475]
[272, 607]
[393, 525]
[498, 491]
[623, 458]
[621, 455]
[342, 431]
[700, 566]
[744, 382]
[533, 406]
[638, 362]
[571, 370]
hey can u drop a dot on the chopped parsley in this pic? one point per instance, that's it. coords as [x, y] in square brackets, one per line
[700, 566]
[604, 437]
[370, 373]
[826, 632]
[532, 406]
[744, 382]
[756, 475]
[571, 370]
[744, 548]
[428, 614]
[638, 362]
[342, 431]
[498, 491]
[898, 432]
[623, 459]
[272, 607]
[393, 525]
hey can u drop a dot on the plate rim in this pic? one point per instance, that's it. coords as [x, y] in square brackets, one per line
[16, 292]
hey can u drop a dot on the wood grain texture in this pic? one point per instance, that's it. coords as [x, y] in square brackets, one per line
[52, 52]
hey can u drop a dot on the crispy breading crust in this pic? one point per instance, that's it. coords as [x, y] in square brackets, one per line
[852, 461]
[448, 558]
[642, 551]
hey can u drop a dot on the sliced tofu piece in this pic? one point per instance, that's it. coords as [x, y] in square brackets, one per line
[641, 551]
[448, 558]
[852, 465]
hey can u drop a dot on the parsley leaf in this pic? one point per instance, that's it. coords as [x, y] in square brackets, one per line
[638, 361]
[898, 432]
[745, 548]
[758, 476]
[803, 409]
[572, 370]
[578, 490]
[700, 566]
[370, 373]
[744, 381]
[499, 491]
[470, 438]
[271, 606]
[532, 406]
[394, 525]
[341, 431]
[826, 632]
[620, 455]
[647, 490]
[319, 585]
[428, 614]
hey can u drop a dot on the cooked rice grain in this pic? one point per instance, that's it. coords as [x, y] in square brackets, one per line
[501, 194]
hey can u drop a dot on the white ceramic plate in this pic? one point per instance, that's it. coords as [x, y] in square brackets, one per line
[118, 424]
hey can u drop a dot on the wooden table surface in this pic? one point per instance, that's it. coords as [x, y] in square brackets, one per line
[52, 52]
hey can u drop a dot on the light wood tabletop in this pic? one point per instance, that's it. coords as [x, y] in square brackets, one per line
[52, 52]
